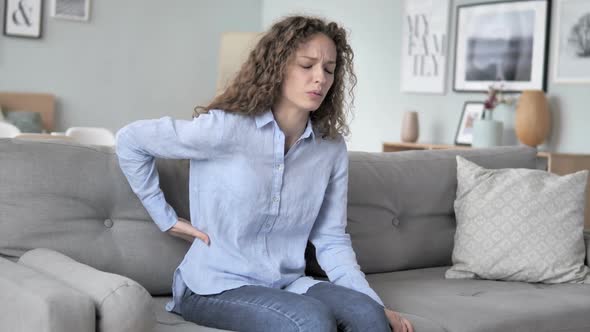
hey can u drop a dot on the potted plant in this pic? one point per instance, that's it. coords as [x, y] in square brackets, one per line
[488, 131]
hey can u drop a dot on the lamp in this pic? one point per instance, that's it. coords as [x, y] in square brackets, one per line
[532, 117]
[233, 52]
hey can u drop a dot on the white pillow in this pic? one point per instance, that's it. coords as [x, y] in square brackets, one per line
[519, 225]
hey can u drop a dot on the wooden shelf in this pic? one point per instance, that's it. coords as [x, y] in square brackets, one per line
[558, 163]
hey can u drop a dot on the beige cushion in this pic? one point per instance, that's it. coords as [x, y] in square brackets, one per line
[519, 225]
[122, 304]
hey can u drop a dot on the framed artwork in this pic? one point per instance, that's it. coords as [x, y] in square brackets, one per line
[424, 45]
[23, 18]
[502, 42]
[472, 110]
[572, 49]
[77, 10]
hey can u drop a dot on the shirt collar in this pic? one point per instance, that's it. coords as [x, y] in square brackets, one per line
[263, 119]
[267, 117]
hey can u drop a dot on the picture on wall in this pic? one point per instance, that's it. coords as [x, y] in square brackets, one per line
[472, 111]
[22, 18]
[424, 46]
[78, 10]
[502, 42]
[572, 47]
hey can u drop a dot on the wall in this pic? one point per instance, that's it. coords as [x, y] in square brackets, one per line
[375, 35]
[134, 59]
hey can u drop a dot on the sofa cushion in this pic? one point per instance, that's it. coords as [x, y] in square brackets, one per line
[74, 199]
[470, 305]
[519, 225]
[122, 305]
[401, 203]
[33, 301]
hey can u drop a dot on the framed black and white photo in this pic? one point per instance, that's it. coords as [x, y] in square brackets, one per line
[502, 42]
[472, 110]
[572, 49]
[23, 18]
[77, 10]
[424, 46]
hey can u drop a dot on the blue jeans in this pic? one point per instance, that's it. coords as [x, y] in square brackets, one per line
[325, 307]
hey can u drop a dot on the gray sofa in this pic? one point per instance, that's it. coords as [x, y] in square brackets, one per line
[74, 200]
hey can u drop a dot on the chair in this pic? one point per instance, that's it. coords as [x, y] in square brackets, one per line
[8, 130]
[92, 135]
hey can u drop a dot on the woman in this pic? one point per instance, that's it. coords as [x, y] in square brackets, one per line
[268, 172]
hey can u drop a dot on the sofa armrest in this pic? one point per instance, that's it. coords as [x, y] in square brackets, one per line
[587, 242]
[33, 301]
[122, 305]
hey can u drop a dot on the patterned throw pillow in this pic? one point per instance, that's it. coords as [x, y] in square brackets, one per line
[519, 225]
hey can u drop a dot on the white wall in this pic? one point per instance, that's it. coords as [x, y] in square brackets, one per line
[134, 59]
[375, 27]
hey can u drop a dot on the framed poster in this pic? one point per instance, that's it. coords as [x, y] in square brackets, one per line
[572, 48]
[424, 45]
[77, 10]
[472, 110]
[502, 42]
[23, 18]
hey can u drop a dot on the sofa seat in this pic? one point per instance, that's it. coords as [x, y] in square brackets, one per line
[453, 305]
[435, 304]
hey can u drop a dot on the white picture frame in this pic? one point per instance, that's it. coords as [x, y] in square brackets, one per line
[568, 65]
[424, 46]
[502, 42]
[23, 18]
[472, 110]
[76, 10]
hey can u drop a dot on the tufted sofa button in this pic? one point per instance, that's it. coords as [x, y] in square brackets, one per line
[108, 223]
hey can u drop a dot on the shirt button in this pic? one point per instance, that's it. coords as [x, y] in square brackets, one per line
[275, 199]
[280, 167]
[267, 225]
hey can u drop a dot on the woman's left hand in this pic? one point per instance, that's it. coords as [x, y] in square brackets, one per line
[397, 322]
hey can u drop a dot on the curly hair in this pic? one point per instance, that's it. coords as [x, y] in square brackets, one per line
[257, 85]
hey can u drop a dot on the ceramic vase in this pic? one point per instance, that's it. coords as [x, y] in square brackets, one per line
[410, 127]
[507, 115]
[487, 132]
[533, 120]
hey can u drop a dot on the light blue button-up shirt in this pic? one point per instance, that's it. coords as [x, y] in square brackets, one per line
[258, 205]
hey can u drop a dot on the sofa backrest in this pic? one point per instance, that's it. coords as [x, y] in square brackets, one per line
[400, 204]
[75, 199]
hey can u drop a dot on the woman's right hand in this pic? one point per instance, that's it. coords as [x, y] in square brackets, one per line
[184, 230]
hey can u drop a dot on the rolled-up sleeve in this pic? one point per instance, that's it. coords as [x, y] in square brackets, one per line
[333, 246]
[140, 142]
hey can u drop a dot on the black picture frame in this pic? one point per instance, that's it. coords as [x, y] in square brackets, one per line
[15, 16]
[523, 63]
[464, 134]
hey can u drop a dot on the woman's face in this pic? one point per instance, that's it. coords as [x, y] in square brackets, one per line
[310, 74]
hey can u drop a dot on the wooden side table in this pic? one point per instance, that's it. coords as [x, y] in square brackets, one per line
[558, 163]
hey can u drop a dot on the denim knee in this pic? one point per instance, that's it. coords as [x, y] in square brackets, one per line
[317, 317]
[367, 312]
